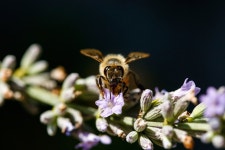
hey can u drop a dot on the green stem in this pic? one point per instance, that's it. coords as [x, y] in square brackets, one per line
[42, 95]
[194, 126]
[51, 99]
[84, 109]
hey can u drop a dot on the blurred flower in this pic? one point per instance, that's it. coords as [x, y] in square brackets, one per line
[214, 101]
[89, 83]
[110, 104]
[101, 124]
[5, 92]
[68, 87]
[89, 140]
[67, 119]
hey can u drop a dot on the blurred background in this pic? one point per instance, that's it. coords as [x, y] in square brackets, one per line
[186, 39]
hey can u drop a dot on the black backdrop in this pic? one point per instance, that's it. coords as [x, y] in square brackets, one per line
[184, 38]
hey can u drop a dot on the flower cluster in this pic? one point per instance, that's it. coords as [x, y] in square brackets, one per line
[214, 101]
[144, 116]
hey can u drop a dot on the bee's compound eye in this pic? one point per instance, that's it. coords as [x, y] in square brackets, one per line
[107, 68]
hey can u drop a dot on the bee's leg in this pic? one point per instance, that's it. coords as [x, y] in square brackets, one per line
[99, 82]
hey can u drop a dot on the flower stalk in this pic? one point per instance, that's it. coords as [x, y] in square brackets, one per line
[141, 116]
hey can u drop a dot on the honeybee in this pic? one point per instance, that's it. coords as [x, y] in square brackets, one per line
[114, 72]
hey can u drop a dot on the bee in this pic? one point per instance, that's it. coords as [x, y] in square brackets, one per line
[114, 71]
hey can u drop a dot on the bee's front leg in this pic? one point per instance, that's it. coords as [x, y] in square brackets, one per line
[100, 83]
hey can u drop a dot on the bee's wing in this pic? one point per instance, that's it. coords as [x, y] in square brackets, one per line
[135, 56]
[134, 81]
[93, 53]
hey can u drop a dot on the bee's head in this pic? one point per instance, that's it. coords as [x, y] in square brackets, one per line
[113, 67]
[114, 74]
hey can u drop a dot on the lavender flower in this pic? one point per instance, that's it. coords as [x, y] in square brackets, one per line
[185, 89]
[110, 104]
[214, 101]
[89, 140]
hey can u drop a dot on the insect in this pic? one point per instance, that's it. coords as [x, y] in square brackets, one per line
[114, 72]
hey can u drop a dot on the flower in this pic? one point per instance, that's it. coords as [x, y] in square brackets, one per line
[88, 140]
[110, 104]
[185, 89]
[214, 101]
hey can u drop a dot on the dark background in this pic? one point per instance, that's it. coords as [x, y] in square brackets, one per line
[186, 39]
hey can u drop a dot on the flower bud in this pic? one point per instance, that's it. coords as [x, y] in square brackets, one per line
[145, 142]
[65, 125]
[76, 116]
[47, 117]
[146, 99]
[180, 106]
[167, 130]
[67, 94]
[167, 144]
[116, 130]
[215, 124]
[167, 110]
[188, 142]
[9, 62]
[105, 139]
[153, 113]
[153, 132]
[140, 125]
[207, 137]
[198, 111]
[60, 109]
[70, 80]
[132, 137]
[38, 67]
[58, 73]
[51, 129]
[30, 56]
[5, 74]
[218, 141]
[101, 124]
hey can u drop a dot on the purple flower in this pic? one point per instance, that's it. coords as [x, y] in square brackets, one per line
[110, 104]
[159, 94]
[186, 88]
[89, 140]
[214, 101]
